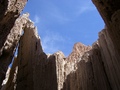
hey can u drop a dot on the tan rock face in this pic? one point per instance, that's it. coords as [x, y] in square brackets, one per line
[28, 55]
[9, 12]
[11, 83]
[49, 72]
[9, 31]
[110, 12]
[95, 67]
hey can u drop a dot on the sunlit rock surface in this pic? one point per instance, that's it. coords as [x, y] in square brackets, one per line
[95, 67]
[9, 31]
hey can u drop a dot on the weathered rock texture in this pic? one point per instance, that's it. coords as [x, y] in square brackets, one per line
[9, 31]
[28, 55]
[11, 83]
[95, 67]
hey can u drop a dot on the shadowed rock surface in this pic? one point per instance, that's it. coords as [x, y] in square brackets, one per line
[9, 31]
[95, 67]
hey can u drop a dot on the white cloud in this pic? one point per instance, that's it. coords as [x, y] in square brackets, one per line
[71, 11]
[85, 7]
[36, 19]
[51, 42]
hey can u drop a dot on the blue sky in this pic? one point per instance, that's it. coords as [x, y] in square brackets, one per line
[62, 23]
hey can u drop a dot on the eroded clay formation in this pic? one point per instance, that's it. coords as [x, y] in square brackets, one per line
[95, 67]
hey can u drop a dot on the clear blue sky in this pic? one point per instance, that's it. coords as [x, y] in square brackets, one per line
[62, 23]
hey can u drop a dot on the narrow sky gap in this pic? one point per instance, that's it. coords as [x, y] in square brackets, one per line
[63, 23]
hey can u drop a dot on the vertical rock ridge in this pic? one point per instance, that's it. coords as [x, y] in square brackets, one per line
[95, 67]
[10, 44]
[9, 11]
[110, 59]
[110, 11]
[28, 54]
[11, 83]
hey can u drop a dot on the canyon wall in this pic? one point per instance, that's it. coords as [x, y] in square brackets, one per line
[95, 67]
[10, 32]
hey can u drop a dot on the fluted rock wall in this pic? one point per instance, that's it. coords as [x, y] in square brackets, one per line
[110, 12]
[95, 67]
[28, 55]
[9, 32]
[110, 58]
